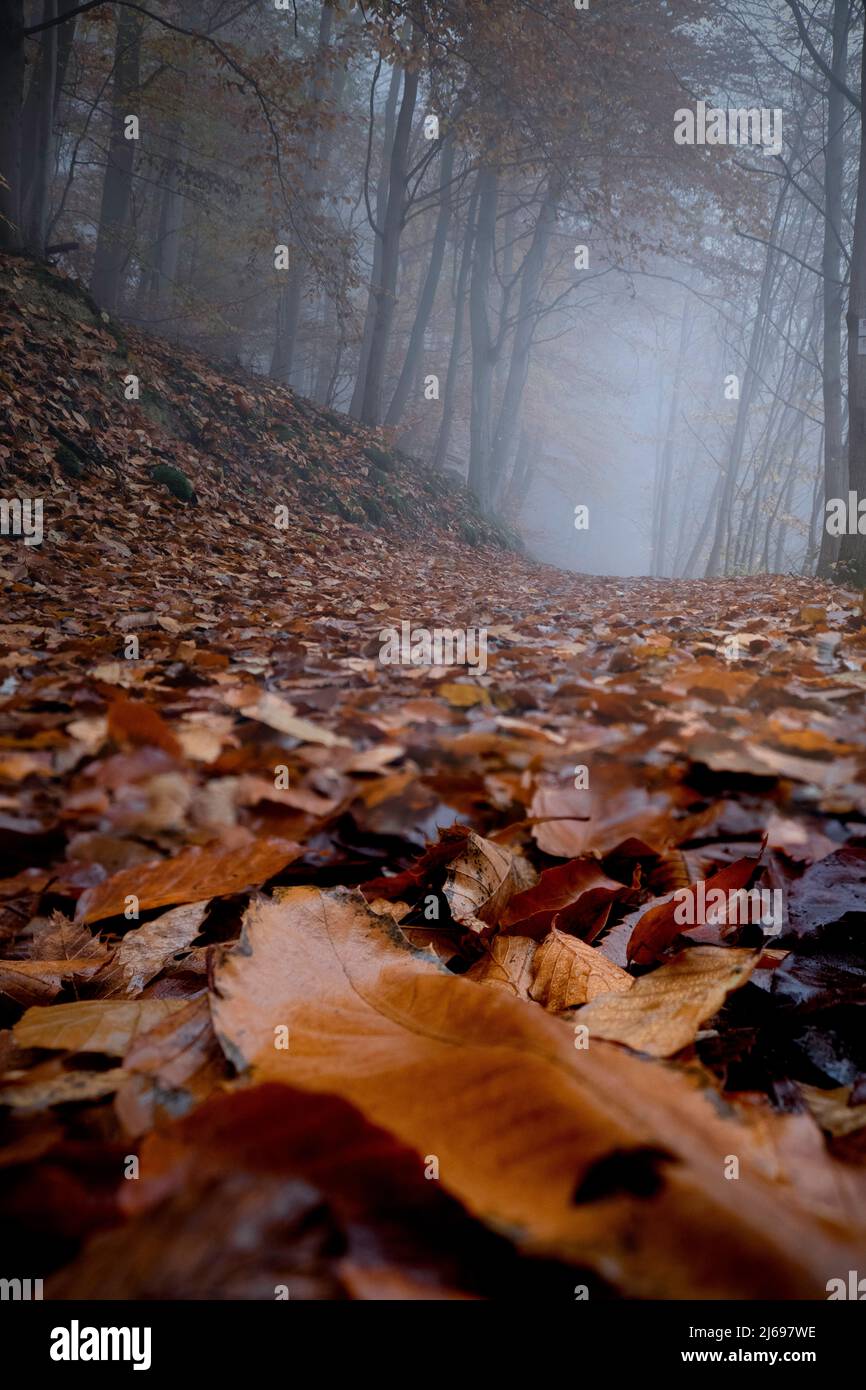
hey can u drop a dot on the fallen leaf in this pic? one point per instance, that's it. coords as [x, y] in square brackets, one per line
[432, 1057]
[463, 695]
[658, 927]
[568, 972]
[180, 1052]
[92, 1025]
[67, 1088]
[577, 889]
[663, 1011]
[278, 714]
[301, 1191]
[827, 892]
[145, 950]
[479, 883]
[137, 722]
[507, 963]
[190, 877]
[605, 816]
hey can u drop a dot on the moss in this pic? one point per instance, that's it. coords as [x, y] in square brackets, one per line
[851, 572]
[176, 481]
[321, 498]
[373, 509]
[408, 460]
[379, 458]
[286, 432]
[502, 533]
[396, 499]
[71, 463]
[338, 422]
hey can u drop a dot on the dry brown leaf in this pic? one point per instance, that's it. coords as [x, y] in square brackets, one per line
[181, 1052]
[280, 715]
[612, 811]
[191, 876]
[30, 982]
[59, 939]
[432, 1058]
[135, 721]
[145, 950]
[479, 883]
[462, 695]
[93, 1025]
[663, 1011]
[833, 1111]
[507, 962]
[63, 1089]
[568, 972]
[812, 771]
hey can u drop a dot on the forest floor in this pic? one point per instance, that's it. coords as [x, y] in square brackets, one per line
[326, 977]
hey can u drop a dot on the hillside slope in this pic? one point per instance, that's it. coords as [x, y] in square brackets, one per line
[245, 445]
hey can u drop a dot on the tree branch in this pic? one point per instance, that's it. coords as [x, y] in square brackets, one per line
[816, 56]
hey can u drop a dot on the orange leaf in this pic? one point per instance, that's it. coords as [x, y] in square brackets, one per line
[190, 877]
[521, 1122]
[569, 972]
[664, 1010]
[135, 721]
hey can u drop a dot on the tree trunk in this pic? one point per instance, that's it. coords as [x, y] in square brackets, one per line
[376, 272]
[715, 563]
[685, 518]
[289, 303]
[111, 243]
[785, 496]
[440, 453]
[669, 451]
[11, 99]
[852, 554]
[691, 565]
[527, 316]
[37, 124]
[521, 478]
[835, 483]
[428, 290]
[483, 360]
[386, 292]
[171, 217]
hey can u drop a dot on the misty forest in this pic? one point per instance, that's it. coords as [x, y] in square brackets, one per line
[432, 649]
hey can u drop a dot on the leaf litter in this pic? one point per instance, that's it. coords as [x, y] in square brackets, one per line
[452, 893]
